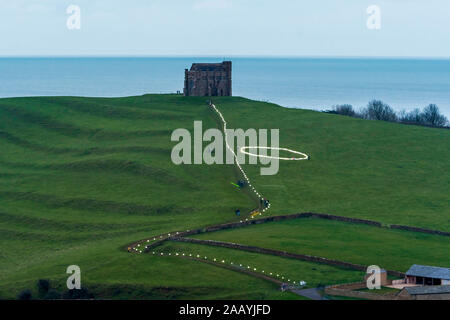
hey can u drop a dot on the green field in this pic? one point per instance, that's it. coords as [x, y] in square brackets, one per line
[80, 178]
[287, 269]
[356, 243]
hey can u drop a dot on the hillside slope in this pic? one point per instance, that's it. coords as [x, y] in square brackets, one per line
[377, 170]
[82, 177]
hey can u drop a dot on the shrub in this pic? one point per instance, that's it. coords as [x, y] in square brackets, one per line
[77, 294]
[43, 286]
[432, 117]
[412, 117]
[378, 110]
[25, 295]
[52, 295]
[345, 110]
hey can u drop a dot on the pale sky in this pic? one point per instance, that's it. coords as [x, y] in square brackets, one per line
[225, 28]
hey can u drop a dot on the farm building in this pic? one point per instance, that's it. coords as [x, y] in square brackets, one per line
[428, 276]
[425, 293]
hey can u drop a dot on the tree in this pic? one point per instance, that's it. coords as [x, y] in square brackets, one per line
[52, 295]
[378, 110]
[25, 295]
[345, 110]
[412, 117]
[77, 294]
[43, 287]
[432, 117]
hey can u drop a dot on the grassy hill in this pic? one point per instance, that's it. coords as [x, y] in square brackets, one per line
[82, 177]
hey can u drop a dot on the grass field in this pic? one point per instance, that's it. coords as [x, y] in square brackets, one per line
[367, 169]
[82, 177]
[287, 269]
[356, 243]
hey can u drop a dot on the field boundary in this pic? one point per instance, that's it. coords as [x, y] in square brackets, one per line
[350, 290]
[284, 254]
[417, 229]
[325, 216]
[181, 237]
[247, 222]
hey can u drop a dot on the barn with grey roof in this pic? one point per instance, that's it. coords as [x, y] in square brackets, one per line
[428, 275]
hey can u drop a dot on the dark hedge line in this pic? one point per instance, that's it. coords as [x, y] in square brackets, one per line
[430, 116]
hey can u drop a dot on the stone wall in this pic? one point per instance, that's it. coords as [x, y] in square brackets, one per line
[299, 216]
[284, 254]
[349, 290]
[442, 296]
[289, 217]
[285, 217]
[322, 216]
[417, 229]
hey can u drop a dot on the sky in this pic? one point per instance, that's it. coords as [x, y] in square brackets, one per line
[225, 28]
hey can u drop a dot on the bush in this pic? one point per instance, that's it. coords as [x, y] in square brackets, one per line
[345, 110]
[43, 286]
[378, 110]
[432, 117]
[52, 295]
[412, 117]
[77, 294]
[25, 295]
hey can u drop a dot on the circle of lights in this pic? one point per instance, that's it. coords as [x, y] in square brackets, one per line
[303, 155]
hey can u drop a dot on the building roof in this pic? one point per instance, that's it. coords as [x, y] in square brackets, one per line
[429, 272]
[208, 67]
[428, 290]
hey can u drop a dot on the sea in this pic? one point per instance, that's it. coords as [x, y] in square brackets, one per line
[310, 83]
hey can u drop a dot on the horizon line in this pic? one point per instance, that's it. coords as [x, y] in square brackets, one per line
[231, 57]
